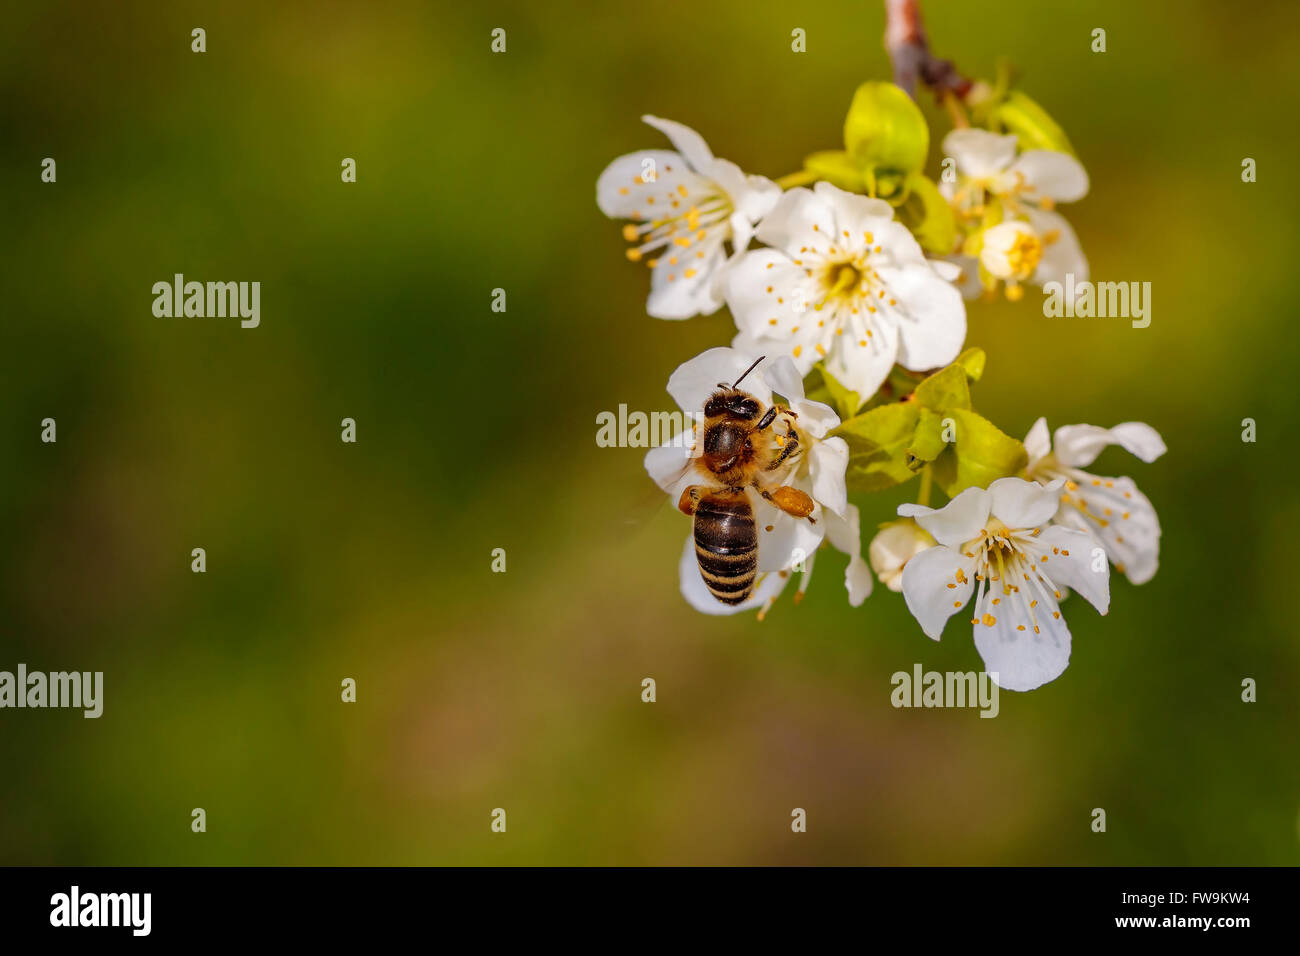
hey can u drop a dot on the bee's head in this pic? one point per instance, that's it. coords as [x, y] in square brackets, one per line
[730, 415]
[729, 401]
[732, 403]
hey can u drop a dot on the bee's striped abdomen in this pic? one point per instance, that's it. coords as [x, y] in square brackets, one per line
[726, 546]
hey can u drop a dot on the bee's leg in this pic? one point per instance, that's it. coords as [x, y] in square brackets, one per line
[689, 500]
[792, 501]
[766, 419]
[791, 444]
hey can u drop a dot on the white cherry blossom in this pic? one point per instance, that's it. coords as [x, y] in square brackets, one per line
[999, 545]
[1033, 243]
[1111, 510]
[684, 206]
[846, 285]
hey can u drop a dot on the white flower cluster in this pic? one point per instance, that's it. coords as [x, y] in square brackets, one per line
[1029, 241]
[841, 282]
[838, 283]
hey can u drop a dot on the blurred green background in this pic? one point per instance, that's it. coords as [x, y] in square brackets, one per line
[476, 430]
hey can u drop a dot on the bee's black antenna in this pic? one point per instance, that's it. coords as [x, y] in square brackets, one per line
[747, 371]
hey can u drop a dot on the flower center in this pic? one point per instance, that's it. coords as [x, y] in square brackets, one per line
[1024, 255]
[842, 289]
[841, 279]
[1011, 574]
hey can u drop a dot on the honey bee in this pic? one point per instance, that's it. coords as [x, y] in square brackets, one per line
[737, 457]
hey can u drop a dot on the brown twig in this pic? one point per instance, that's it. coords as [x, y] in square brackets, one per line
[909, 50]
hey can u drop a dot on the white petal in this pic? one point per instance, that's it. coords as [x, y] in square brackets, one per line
[745, 285]
[1021, 659]
[926, 581]
[844, 534]
[897, 244]
[752, 196]
[853, 203]
[862, 368]
[856, 217]
[1134, 542]
[828, 462]
[729, 177]
[978, 152]
[674, 294]
[967, 280]
[1131, 534]
[1024, 504]
[1057, 176]
[789, 226]
[1079, 445]
[760, 197]
[949, 270]
[670, 465]
[1075, 569]
[789, 539]
[685, 140]
[1038, 443]
[932, 325]
[697, 593]
[621, 194]
[694, 381]
[1061, 257]
[858, 581]
[815, 418]
[741, 232]
[783, 378]
[958, 521]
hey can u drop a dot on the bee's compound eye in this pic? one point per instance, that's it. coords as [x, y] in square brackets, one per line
[745, 408]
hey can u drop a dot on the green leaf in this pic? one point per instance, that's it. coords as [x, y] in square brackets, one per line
[902, 382]
[927, 214]
[972, 360]
[846, 171]
[949, 388]
[927, 441]
[843, 399]
[885, 130]
[1033, 126]
[878, 440]
[838, 168]
[980, 454]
